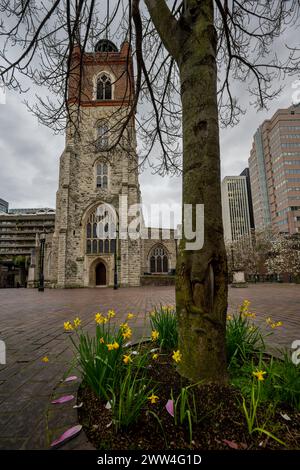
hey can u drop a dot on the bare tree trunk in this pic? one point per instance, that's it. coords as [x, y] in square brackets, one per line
[201, 289]
[201, 284]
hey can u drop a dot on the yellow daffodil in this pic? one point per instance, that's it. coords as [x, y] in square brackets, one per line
[130, 316]
[276, 324]
[68, 326]
[244, 308]
[100, 319]
[229, 317]
[127, 333]
[153, 399]
[154, 335]
[127, 359]
[155, 356]
[111, 314]
[124, 326]
[102, 340]
[77, 322]
[111, 346]
[45, 359]
[259, 374]
[177, 356]
[153, 313]
[269, 321]
[250, 315]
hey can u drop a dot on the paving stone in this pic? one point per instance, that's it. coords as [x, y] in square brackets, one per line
[11, 443]
[63, 415]
[4, 418]
[39, 437]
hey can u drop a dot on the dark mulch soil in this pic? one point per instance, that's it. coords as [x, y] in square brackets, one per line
[219, 412]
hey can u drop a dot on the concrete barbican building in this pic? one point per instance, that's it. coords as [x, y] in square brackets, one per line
[91, 181]
[20, 233]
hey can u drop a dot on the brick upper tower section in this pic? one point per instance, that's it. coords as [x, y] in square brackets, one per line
[106, 59]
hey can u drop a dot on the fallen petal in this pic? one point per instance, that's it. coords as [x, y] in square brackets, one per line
[63, 399]
[170, 407]
[109, 424]
[69, 434]
[285, 416]
[231, 444]
[108, 405]
[78, 406]
[71, 378]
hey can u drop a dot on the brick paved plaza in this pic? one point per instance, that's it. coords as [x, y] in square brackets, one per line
[31, 324]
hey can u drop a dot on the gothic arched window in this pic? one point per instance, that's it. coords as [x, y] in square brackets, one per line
[102, 136]
[95, 230]
[113, 245]
[104, 87]
[159, 261]
[102, 175]
[88, 231]
[152, 264]
[100, 233]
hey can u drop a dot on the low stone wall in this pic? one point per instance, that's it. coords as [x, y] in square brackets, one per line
[163, 280]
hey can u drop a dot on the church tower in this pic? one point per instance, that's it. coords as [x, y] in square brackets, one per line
[93, 173]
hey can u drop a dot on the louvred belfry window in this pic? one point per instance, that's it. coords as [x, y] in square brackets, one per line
[102, 175]
[104, 87]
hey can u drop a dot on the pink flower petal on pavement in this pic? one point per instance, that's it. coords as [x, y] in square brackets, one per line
[71, 378]
[231, 444]
[63, 399]
[69, 434]
[170, 407]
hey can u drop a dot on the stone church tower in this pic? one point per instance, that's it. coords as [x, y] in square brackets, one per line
[90, 176]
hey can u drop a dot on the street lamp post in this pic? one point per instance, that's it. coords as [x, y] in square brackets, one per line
[41, 261]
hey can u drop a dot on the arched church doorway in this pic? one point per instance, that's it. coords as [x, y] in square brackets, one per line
[100, 274]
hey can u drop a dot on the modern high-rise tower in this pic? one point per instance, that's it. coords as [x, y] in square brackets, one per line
[274, 166]
[235, 209]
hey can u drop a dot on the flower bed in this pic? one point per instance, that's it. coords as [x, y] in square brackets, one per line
[133, 397]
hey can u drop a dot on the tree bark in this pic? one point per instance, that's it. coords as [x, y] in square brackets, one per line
[201, 280]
